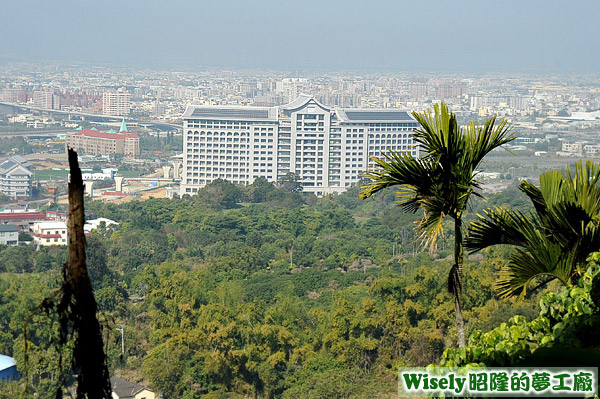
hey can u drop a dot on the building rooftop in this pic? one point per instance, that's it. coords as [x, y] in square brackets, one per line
[22, 216]
[249, 113]
[47, 235]
[93, 224]
[301, 101]
[231, 113]
[125, 389]
[8, 228]
[20, 159]
[105, 135]
[374, 115]
[7, 165]
[52, 225]
[6, 362]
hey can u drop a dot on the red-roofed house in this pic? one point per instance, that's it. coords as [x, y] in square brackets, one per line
[22, 219]
[57, 215]
[94, 142]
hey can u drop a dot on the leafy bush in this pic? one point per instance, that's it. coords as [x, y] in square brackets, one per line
[568, 320]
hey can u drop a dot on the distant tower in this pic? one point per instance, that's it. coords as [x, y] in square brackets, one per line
[52, 192]
[89, 187]
[119, 183]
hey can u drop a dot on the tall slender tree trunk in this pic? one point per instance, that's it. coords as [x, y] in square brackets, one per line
[460, 325]
[89, 359]
[455, 279]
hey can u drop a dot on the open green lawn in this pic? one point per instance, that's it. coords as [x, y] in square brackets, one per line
[49, 174]
[129, 173]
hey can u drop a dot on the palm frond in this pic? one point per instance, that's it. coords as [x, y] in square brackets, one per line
[552, 188]
[437, 131]
[396, 169]
[535, 196]
[499, 226]
[482, 140]
[431, 225]
[554, 241]
[525, 267]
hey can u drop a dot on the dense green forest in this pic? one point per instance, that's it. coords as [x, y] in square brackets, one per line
[260, 292]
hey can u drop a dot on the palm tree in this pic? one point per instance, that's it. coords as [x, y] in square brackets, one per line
[554, 241]
[441, 181]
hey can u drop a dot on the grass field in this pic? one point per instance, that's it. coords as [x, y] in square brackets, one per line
[129, 173]
[49, 174]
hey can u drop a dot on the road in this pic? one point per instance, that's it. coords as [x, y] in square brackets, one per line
[35, 133]
[141, 122]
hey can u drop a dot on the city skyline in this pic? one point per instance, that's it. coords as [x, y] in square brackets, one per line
[163, 95]
[532, 36]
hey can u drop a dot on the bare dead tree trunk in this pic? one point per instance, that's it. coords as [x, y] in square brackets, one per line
[89, 360]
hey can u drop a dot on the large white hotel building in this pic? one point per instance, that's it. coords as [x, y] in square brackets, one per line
[327, 148]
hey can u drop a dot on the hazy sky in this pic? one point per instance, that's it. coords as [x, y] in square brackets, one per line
[450, 35]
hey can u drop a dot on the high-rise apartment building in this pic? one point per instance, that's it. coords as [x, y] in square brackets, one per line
[448, 91]
[46, 100]
[11, 95]
[116, 103]
[326, 148]
[417, 90]
[290, 88]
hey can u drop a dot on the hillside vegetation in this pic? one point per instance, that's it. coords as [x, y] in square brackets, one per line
[259, 292]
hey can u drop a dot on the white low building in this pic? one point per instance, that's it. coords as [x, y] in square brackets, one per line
[571, 149]
[93, 224]
[50, 233]
[123, 389]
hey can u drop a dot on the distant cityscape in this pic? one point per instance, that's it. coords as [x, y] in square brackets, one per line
[532, 102]
[51, 106]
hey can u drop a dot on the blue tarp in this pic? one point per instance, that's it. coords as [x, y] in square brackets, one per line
[8, 369]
